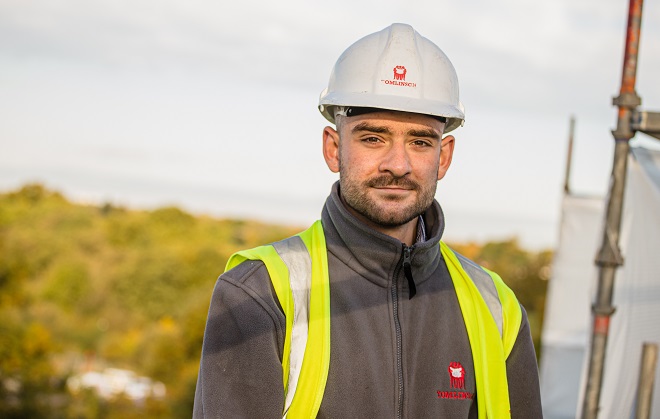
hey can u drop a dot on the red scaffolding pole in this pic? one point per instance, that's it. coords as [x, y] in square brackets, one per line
[609, 257]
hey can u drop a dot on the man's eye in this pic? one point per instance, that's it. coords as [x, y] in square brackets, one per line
[371, 140]
[421, 143]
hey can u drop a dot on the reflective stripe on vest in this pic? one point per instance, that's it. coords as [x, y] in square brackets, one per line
[490, 310]
[490, 346]
[311, 369]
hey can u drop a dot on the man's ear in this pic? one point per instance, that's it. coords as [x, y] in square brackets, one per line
[331, 148]
[446, 154]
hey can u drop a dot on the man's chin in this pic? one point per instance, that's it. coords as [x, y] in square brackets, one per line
[391, 216]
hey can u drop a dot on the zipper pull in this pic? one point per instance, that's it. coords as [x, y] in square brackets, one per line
[407, 270]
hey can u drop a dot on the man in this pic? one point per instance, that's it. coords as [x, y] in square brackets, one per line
[368, 314]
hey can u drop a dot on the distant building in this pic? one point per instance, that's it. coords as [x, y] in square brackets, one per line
[113, 382]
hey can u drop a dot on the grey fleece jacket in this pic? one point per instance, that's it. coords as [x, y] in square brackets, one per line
[390, 356]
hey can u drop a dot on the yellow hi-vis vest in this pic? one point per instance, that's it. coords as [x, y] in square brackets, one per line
[490, 310]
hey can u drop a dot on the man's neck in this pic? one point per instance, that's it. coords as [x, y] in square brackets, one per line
[405, 233]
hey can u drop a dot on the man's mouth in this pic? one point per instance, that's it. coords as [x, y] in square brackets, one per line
[394, 184]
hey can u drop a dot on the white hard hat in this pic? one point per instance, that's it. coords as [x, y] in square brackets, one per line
[394, 69]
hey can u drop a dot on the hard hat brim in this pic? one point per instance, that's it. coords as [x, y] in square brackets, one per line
[455, 115]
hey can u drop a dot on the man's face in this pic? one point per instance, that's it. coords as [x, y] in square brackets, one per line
[389, 164]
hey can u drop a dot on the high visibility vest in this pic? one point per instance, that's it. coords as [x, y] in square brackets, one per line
[490, 310]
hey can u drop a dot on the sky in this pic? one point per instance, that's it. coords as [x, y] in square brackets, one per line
[212, 106]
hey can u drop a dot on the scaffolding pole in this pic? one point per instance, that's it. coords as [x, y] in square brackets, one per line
[609, 257]
[646, 380]
[569, 157]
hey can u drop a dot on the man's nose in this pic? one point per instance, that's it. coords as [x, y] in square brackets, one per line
[396, 161]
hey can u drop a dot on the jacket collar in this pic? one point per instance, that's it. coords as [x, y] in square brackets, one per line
[374, 255]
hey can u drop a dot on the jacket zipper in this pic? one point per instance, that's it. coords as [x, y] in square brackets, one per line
[407, 270]
[406, 265]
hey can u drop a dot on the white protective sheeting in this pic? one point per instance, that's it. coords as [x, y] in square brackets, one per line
[568, 304]
[567, 325]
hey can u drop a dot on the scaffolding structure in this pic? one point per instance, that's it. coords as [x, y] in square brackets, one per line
[630, 120]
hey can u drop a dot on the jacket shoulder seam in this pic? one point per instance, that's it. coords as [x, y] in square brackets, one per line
[276, 317]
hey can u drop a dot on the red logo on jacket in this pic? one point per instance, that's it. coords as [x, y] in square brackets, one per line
[457, 380]
[457, 375]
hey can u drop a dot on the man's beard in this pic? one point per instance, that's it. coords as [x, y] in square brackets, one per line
[355, 194]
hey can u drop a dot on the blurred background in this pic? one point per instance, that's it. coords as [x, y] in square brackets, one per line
[143, 142]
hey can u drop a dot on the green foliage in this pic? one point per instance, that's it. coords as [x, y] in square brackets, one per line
[116, 287]
[94, 286]
[25, 368]
[68, 284]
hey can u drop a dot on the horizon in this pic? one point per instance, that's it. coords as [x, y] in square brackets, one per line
[214, 107]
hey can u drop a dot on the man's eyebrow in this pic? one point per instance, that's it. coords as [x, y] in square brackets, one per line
[365, 126]
[424, 133]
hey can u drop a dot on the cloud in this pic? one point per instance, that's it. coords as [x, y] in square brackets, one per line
[203, 87]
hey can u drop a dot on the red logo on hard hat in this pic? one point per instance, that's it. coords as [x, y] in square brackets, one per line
[399, 78]
[457, 375]
[399, 72]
